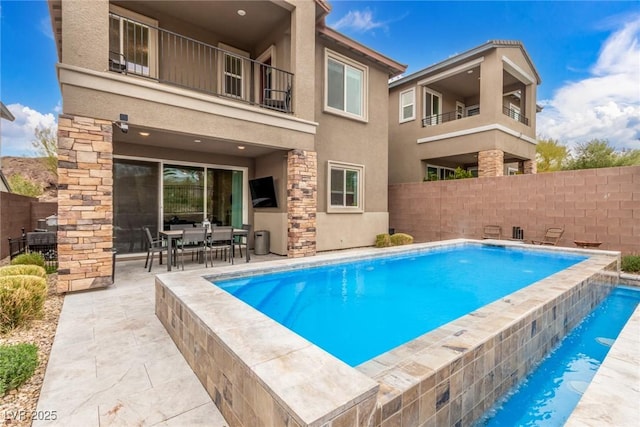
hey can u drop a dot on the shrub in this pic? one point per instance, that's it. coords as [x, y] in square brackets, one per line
[383, 241]
[21, 300]
[31, 258]
[23, 270]
[631, 263]
[399, 239]
[17, 364]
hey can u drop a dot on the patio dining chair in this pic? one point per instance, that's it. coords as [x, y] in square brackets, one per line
[551, 237]
[221, 240]
[242, 240]
[193, 240]
[492, 232]
[153, 246]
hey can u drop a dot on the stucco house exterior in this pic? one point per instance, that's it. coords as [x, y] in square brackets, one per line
[475, 110]
[171, 109]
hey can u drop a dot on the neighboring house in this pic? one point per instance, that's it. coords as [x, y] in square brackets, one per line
[171, 109]
[476, 110]
[4, 114]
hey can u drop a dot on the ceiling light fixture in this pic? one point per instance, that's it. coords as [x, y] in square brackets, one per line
[470, 71]
[197, 140]
[241, 147]
[241, 12]
[144, 133]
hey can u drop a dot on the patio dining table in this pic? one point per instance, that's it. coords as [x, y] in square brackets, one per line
[172, 235]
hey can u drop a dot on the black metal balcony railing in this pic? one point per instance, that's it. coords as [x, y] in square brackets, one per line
[437, 119]
[516, 115]
[144, 50]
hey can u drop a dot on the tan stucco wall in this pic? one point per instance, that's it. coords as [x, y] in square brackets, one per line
[275, 223]
[163, 115]
[273, 220]
[85, 33]
[342, 231]
[352, 141]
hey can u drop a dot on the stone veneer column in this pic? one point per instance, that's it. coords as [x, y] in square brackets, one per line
[302, 190]
[85, 204]
[490, 163]
[530, 167]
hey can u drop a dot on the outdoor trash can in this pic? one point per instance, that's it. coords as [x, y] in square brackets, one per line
[261, 242]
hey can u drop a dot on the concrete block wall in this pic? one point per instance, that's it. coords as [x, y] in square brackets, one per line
[18, 212]
[592, 205]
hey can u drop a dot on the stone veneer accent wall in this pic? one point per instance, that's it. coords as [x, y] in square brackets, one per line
[302, 203]
[490, 163]
[530, 167]
[85, 204]
[451, 376]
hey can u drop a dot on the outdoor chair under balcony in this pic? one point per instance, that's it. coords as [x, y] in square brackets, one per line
[153, 246]
[221, 240]
[239, 241]
[193, 240]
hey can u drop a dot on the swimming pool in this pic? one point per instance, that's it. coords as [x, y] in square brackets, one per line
[361, 309]
[550, 393]
[248, 362]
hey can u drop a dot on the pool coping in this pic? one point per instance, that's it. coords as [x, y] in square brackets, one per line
[287, 366]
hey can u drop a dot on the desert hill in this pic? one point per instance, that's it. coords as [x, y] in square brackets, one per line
[32, 168]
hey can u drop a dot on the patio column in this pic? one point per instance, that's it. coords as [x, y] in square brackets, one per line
[85, 203]
[490, 163]
[302, 196]
[530, 167]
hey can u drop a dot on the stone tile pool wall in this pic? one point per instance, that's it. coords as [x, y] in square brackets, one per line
[260, 373]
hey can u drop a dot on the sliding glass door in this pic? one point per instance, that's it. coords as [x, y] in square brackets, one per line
[135, 203]
[156, 195]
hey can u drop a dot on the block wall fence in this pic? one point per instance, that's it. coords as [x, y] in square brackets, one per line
[600, 205]
[18, 212]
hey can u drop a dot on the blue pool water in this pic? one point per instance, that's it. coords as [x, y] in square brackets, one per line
[359, 310]
[549, 394]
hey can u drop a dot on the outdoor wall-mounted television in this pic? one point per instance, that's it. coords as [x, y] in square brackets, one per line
[263, 192]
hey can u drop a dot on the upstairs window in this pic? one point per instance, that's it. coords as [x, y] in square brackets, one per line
[346, 184]
[345, 86]
[232, 75]
[407, 105]
[132, 42]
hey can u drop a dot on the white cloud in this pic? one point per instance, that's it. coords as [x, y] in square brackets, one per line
[605, 105]
[17, 136]
[359, 21]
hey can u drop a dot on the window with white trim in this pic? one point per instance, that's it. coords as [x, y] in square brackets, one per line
[438, 173]
[346, 83]
[432, 107]
[407, 105]
[346, 185]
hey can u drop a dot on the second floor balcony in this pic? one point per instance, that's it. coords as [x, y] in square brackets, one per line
[140, 49]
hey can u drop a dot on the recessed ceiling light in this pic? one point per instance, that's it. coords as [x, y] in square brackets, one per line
[241, 12]
[470, 71]
[241, 147]
[197, 140]
[144, 133]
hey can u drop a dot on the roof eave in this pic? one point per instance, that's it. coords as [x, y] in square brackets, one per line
[393, 67]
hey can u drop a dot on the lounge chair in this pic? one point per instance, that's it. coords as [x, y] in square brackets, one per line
[153, 246]
[551, 237]
[492, 232]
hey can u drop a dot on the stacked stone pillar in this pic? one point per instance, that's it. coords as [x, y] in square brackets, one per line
[85, 203]
[490, 163]
[530, 167]
[302, 202]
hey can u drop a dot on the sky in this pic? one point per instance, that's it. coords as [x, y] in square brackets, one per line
[586, 52]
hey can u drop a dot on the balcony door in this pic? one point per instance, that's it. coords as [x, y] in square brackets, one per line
[133, 41]
[432, 107]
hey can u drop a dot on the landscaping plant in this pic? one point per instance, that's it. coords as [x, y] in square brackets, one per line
[398, 239]
[23, 270]
[631, 263]
[17, 364]
[21, 300]
[32, 258]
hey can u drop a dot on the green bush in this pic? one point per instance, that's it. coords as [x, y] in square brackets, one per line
[32, 258]
[17, 364]
[631, 263]
[23, 270]
[21, 300]
[383, 241]
[400, 239]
